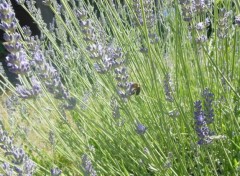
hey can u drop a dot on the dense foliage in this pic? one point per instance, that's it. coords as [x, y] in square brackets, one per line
[130, 87]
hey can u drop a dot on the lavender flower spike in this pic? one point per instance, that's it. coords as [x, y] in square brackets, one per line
[208, 109]
[26, 93]
[50, 77]
[87, 166]
[17, 59]
[23, 165]
[56, 171]
[202, 129]
[140, 128]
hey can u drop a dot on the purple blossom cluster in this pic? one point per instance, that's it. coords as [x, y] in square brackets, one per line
[201, 29]
[208, 98]
[48, 75]
[224, 20]
[17, 61]
[201, 6]
[29, 93]
[106, 56]
[149, 15]
[187, 10]
[190, 8]
[140, 128]
[87, 166]
[21, 164]
[204, 117]
[125, 88]
[50, 78]
[55, 171]
[150, 19]
[201, 127]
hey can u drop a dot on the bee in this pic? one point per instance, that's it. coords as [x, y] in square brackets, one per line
[135, 88]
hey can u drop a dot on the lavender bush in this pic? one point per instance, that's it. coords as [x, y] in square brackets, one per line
[118, 87]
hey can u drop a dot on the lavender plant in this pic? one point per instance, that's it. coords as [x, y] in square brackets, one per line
[19, 162]
[96, 84]
[17, 61]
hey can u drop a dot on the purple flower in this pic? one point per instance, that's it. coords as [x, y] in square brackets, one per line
[18, 62]
[21, 163]
[7, 169]
[200, 6]
[150, 19]
[14, 37]
[201, 127]
[99, 68]
[27, 31]
[208, 109]
[17, 58]
[107, 56]
[224, 21]
[149, 14]
[29, 167]
[56, 171]
[140, 128]
[50, 78]
[87, 166]
[13, 47]
[125, 88]
[198, 113]
[4, 8]
[187, 10]
[27, 93]
[70, 103]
